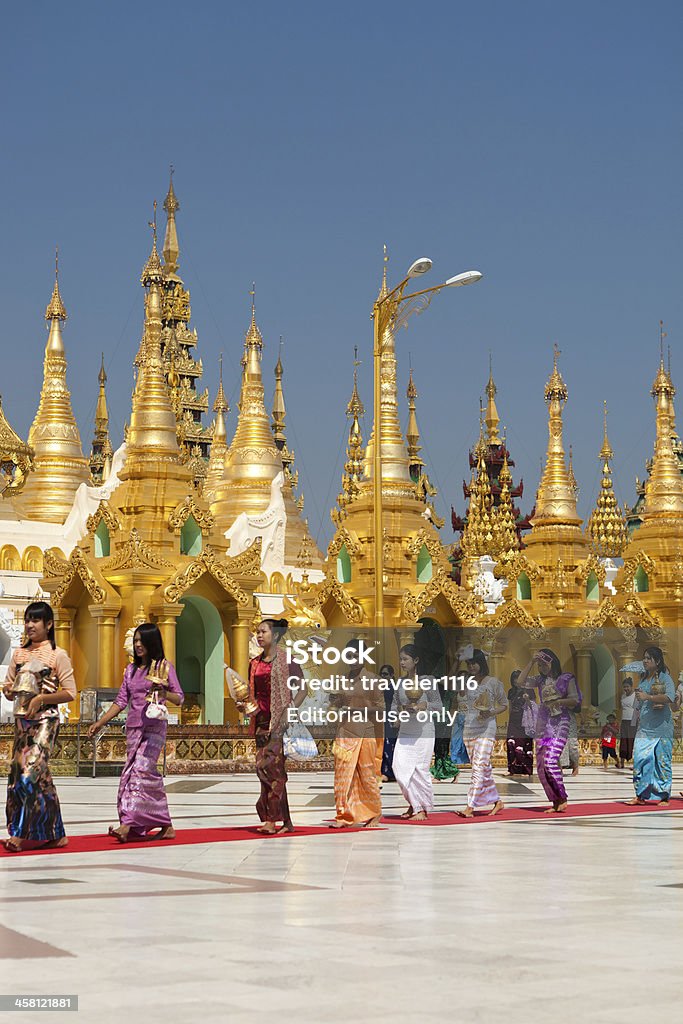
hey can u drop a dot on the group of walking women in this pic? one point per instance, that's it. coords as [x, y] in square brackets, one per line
[150, 683]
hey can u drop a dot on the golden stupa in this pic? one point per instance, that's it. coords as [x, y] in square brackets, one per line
[59, 465]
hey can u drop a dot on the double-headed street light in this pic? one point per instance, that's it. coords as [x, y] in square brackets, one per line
[390, 312]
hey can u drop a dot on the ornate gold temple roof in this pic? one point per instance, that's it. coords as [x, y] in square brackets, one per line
[16, 459]
[60, 467]
[606, 525]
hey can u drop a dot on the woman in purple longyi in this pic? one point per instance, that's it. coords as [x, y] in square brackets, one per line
[142, 803]
[559, 696]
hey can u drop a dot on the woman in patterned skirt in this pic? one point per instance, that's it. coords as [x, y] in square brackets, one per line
[34, 817]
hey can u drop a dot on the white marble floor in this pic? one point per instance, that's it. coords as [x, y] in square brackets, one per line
[573, 920]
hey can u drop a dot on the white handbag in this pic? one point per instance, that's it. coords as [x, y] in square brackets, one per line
[155, 709]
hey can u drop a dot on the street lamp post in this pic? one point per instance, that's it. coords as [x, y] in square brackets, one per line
[392, 311]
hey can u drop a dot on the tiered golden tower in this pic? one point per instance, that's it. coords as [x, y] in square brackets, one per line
[59, 465]
[101, 452]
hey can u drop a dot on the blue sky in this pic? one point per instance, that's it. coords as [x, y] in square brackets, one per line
[540, 143]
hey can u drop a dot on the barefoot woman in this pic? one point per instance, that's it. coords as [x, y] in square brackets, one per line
[269, 685]
[484, 704]
[559, 697]
[653, 745]
[142, 803]
[358, 746]
[33, 814]
[414, 700]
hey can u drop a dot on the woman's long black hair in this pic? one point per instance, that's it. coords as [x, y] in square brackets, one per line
[150, 638]
[657, 655]
[555, 667]
[41, 611]
[479, 658]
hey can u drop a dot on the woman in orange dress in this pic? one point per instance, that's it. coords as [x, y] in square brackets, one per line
[358, 749]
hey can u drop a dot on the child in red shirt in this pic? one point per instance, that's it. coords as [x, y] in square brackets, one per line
[608, 737]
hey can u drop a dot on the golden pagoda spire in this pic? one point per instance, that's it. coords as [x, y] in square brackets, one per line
[413, 431]
[353, 467]
[492, 417]
[278, 424]
[152, 436]
[556, 499]
[219, 442]
[478, 533]
[606, 524]
[253, 459]
[101, 451]
[506, 538]
[279, 409]
[60, 467]
[171, 250]
[664, 486]
[16, 459]
[395, 462]
[570, 473]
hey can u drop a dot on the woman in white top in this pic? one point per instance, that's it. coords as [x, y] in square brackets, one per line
[484, 704]
[416, 697]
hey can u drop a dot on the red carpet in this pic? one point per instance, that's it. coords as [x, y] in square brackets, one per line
[537, 813]
[184, 837]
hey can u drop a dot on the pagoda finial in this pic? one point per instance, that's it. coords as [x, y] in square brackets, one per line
[101, 451]
[492, 417]
[353, 467]
[606, 452]
[413, 431]
[171, 250]
[221, 404]
[279, 409]
[55, 308]
[152, 271]
[219, 440]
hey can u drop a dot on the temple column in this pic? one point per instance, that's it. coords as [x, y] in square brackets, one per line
[583, 675]
[239, 647]
[166, 617]
[64, 620]
[240, 632]
[106, 645]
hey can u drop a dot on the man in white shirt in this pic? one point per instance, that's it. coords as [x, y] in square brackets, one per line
[629, 721]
